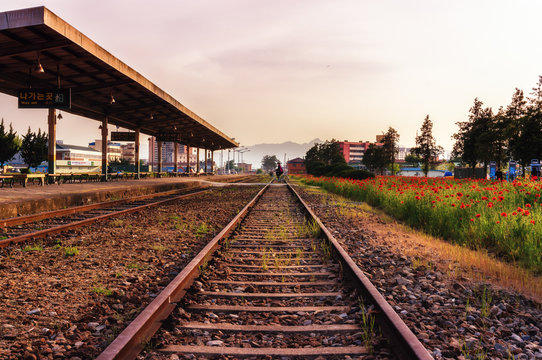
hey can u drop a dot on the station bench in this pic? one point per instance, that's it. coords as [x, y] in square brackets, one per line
[7, 179]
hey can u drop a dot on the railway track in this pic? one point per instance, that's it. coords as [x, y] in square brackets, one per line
[24, 228]
[280, 286]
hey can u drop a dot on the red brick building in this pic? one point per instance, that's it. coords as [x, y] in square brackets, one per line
[353, 151]
[296, 166]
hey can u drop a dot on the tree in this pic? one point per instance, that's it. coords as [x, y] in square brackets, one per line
[230, 165]
[120, 161]
[473, 140]
[374, 158]
[426, 147]
[10, 143]
[269, 162]
[514, 115]
[527, 143]
[325, 158]
[413, 159]
[34, 148]
[390, 148]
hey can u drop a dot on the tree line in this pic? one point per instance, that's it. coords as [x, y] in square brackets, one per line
[33, 146]
[513, 132]
[327, 158]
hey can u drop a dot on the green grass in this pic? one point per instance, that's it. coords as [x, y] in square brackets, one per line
[71, 251]
[202, 229]
[100, 290]
[135, 266]
[29, 248]
[117, 223]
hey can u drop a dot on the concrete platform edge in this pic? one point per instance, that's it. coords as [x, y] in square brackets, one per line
[64, 200]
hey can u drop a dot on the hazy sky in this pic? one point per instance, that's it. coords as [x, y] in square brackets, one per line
[278, 70]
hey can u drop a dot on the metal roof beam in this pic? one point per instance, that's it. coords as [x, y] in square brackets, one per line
[30, 48]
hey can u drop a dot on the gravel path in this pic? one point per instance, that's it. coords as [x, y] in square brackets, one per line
[69, 296]
[453, 319]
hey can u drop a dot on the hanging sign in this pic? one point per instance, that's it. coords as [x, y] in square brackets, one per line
[44, 98]
[168, 137]
[122, 136]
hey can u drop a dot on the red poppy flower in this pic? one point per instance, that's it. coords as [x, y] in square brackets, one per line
[503, 214]
[478, 215]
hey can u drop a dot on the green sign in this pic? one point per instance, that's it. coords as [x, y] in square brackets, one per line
[44, 98]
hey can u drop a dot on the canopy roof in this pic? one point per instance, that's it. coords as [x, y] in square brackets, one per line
[93, 74]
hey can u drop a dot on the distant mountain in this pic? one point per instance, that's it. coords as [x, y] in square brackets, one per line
[291, 149]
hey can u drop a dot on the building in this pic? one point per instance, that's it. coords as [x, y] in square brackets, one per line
[353, 151]
[77, 159]
[402, 154]
[113, 149]
[296, 167]
[244, 167]
[127, 152]
[168, 152]
[70, 159]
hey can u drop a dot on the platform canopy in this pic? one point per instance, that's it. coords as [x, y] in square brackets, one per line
[36, 35]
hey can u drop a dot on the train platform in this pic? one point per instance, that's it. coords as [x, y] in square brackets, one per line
[32, 199]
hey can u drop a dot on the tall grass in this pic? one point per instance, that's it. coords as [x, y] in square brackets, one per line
[504, 218]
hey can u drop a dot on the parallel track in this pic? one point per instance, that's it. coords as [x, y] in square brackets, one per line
[274, 290]
[25, 228]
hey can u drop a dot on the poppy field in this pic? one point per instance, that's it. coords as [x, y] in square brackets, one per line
[504, 218]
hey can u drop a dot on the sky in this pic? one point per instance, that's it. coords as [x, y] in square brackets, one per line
[273, 71]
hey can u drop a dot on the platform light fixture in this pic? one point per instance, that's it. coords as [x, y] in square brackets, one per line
[151, 117]
[111, 99]
[39, 69]
[59, 116]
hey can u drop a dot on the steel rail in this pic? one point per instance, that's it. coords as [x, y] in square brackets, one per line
[130, 341]
[77, 224]
[403, 341]
[19, 220]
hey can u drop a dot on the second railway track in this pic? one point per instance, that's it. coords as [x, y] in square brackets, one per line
[275, 290]
[24, 228]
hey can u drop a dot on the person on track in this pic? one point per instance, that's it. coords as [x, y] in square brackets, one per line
[279, 171]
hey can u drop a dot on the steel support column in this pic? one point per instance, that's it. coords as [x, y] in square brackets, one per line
[136, 154]
[197, 160]
[105, 121]
[206, 159]
[188, 159]
[175, 159]
[212, 160]
[51, 156]
[159, 143]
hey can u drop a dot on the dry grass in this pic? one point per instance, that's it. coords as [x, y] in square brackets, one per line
[465, 264]
[456, 261]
